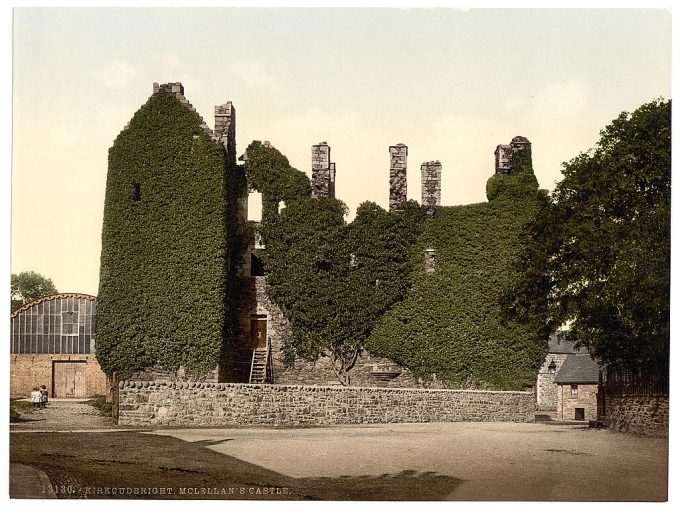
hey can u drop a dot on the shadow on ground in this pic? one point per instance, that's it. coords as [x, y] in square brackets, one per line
[83, 465]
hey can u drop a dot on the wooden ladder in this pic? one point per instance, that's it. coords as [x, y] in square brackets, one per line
[259, 367]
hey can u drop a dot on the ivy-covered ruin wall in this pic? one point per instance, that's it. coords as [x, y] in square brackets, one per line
[166, 242]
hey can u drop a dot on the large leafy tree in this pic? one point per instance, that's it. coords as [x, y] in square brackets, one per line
[599, 248]
[29, 285]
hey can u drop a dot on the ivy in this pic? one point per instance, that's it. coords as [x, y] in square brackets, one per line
[167, 243]
[451, 323]
[520, 182]
[269, 172]
[348, 287]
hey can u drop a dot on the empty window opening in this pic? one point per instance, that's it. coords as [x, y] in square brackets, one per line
[256, 265]
[136, 192]
[580, 414]
[255, 206]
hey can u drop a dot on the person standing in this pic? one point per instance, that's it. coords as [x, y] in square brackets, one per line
[36, 398]
[43, 396]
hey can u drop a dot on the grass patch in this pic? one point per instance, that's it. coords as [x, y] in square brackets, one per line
[101, 405]
[16, 408]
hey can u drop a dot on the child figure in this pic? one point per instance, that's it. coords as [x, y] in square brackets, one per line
[36, 398]
[43, 396]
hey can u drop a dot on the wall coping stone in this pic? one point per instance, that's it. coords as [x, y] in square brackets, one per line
[145, 384]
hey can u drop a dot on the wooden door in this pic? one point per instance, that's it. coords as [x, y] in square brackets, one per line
[69, 380]
[258, 333]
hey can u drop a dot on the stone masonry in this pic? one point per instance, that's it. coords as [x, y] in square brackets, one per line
[645, 415]
[398, 155]
[29, 370]
[431, 186]
[202, 404]
[585, 398]
[504, 153]
[323, 171]
[369, 370]
[331, 182]
[546, 388]
[225, 128]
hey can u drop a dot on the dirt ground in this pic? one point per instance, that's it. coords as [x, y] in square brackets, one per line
[429, 461]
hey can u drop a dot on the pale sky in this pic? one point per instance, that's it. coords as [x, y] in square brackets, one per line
[449, 84]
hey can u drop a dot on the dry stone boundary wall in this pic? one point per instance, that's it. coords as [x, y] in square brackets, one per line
[143, 403]
[644, 415]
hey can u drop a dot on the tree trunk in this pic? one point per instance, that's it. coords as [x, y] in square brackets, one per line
[342, 365]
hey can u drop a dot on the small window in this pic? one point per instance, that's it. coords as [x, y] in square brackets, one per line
[256, 266]
[136, 192]
[552, 367]
[429, 260]
[574, 390]
[69, 323]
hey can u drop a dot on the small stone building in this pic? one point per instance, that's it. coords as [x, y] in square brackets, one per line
[577, 383]
[560, 347]
[52, 343]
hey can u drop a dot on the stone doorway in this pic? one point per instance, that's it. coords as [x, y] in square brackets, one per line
[258, 332]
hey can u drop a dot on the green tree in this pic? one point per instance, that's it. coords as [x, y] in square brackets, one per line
[598, 254]
[29, 285]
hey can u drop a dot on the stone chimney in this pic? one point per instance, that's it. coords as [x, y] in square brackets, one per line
[321, 170]
[504, 153]
[331, 182]
[170, 87]
[398, 155]
[225, 128]
[431, 186]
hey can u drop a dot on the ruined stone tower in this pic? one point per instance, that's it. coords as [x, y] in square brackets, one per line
[503, 153]
[431, 186]
[323, 171]
[398, 155]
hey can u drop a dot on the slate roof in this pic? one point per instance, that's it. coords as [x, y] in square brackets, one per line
[578, 369]
[558, 342]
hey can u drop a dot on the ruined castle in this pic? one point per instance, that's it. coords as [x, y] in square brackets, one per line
[176, 209]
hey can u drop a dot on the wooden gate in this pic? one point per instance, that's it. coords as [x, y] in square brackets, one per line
[69, 380]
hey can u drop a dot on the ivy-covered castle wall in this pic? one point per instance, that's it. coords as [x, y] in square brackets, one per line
[404, 298]
[441, 324]
[451, 324]
[167, 240]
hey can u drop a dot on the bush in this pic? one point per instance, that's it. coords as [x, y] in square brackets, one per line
[100, 403]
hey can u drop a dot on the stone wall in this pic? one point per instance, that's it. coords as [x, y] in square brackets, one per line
[645, 415]
[546, 388]
[29, 370]
[586, 399]
[203, 404]
[369, 370]
[156, 373]
[398, 155]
